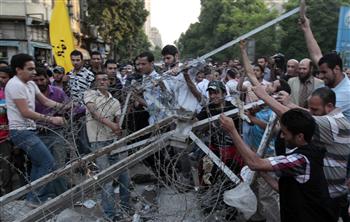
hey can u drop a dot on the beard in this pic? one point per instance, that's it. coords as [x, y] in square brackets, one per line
[304, 78]
[43, 88]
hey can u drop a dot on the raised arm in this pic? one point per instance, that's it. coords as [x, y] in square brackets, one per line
[192, 87]
[312, 45]
[246, 64]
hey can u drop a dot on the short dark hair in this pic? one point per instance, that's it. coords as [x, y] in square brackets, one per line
[299, 121]
[261, 57]
[260, 67]
[284, 86]
[4, 62]
[77, 53]
[96, 53]
[110, 61]
[232, 73]
[169, 50]
[148, 55]
[41, 71]
[326, 95]
[19, 60]
[101, 73]
[332, 60]
[7, 70]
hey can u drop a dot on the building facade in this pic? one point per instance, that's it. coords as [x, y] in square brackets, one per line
[153, 34]
[24, 28]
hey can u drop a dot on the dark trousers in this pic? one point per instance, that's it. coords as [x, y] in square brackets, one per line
[340, 206]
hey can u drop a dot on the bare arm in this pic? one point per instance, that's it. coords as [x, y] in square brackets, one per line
[247, 66]
[312, 45]
[250, 158]
[23, 108]
[48, 102]
[192, 87]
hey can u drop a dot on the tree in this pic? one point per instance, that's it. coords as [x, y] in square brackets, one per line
[220, 21]
[120, 23]
[324, 23]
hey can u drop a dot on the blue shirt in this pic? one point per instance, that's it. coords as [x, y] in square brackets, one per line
[256, 133]
[342, 93]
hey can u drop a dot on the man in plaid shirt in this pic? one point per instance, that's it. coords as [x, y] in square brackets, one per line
[302, 185]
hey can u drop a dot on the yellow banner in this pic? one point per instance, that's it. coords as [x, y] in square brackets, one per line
[61, 36]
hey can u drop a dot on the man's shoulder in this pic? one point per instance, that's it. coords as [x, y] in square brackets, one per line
[85, 72]
[318, 81]
[115, 101]
[56, 90]
[90, 92]
[247, 83]
[293, 79]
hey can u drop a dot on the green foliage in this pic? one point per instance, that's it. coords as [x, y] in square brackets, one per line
[120, 23]
[324, 23]
[220, 21]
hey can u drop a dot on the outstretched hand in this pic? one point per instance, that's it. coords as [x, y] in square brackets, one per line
[227, 123]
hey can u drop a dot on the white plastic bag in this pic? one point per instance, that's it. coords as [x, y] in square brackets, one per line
[242, 198]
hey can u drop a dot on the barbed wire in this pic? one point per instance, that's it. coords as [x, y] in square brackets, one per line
[164, 166]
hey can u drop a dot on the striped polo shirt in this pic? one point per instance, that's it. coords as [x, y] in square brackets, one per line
[333, 134]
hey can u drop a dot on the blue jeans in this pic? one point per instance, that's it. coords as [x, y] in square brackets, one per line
[40, 157]
[108, 196]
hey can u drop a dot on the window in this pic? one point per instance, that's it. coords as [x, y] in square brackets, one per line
[3, 53]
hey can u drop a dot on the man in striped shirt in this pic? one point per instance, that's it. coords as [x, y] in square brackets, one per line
[80, 80]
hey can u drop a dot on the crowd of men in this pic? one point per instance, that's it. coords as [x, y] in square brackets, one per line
[308, 154]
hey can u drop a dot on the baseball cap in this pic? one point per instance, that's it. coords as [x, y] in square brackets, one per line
[58, 69]
[216, 85]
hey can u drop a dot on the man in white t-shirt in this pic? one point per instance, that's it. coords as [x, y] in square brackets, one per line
[21, 93]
